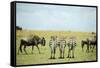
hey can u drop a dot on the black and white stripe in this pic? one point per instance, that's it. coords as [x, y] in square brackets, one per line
[62, 45]
[53, 45]
[71, 47]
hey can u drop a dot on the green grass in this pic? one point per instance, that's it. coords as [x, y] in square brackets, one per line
[36, 58]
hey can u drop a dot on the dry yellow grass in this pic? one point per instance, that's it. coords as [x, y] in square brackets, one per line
[37, 58]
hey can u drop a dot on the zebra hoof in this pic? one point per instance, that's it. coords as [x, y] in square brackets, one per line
[50, 58]
[53, 58]
[67, 57]
[70, 57]
[61, 57]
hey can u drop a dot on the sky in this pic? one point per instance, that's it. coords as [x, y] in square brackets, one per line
[55, 17]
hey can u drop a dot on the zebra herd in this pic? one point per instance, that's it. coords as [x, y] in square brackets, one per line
[61, 43]
[71, 43]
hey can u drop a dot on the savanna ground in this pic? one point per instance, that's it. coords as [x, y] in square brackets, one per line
[43, 58]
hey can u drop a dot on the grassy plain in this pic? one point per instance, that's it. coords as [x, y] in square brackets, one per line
[43, 58]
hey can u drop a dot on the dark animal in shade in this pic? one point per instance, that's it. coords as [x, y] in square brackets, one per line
[90, 43]
[71, 47]
[85, 42]
[33, 41]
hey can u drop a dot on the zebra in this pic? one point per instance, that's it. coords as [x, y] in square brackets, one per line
[71, 47]
[53, 46]
[57, 42]
[62, 45]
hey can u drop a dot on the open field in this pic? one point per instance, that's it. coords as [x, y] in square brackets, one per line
[36, 58]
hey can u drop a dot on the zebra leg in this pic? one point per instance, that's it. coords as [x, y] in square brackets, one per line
[73, 53]
[63, 54]
[25, 49]
[54, 53]
[38, 48]
[60, 52]
[68, 53]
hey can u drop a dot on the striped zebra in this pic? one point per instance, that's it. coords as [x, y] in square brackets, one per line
[62, 45]
[71, 47]
[53, 46]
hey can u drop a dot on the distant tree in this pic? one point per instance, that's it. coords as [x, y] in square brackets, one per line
[93, 32]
